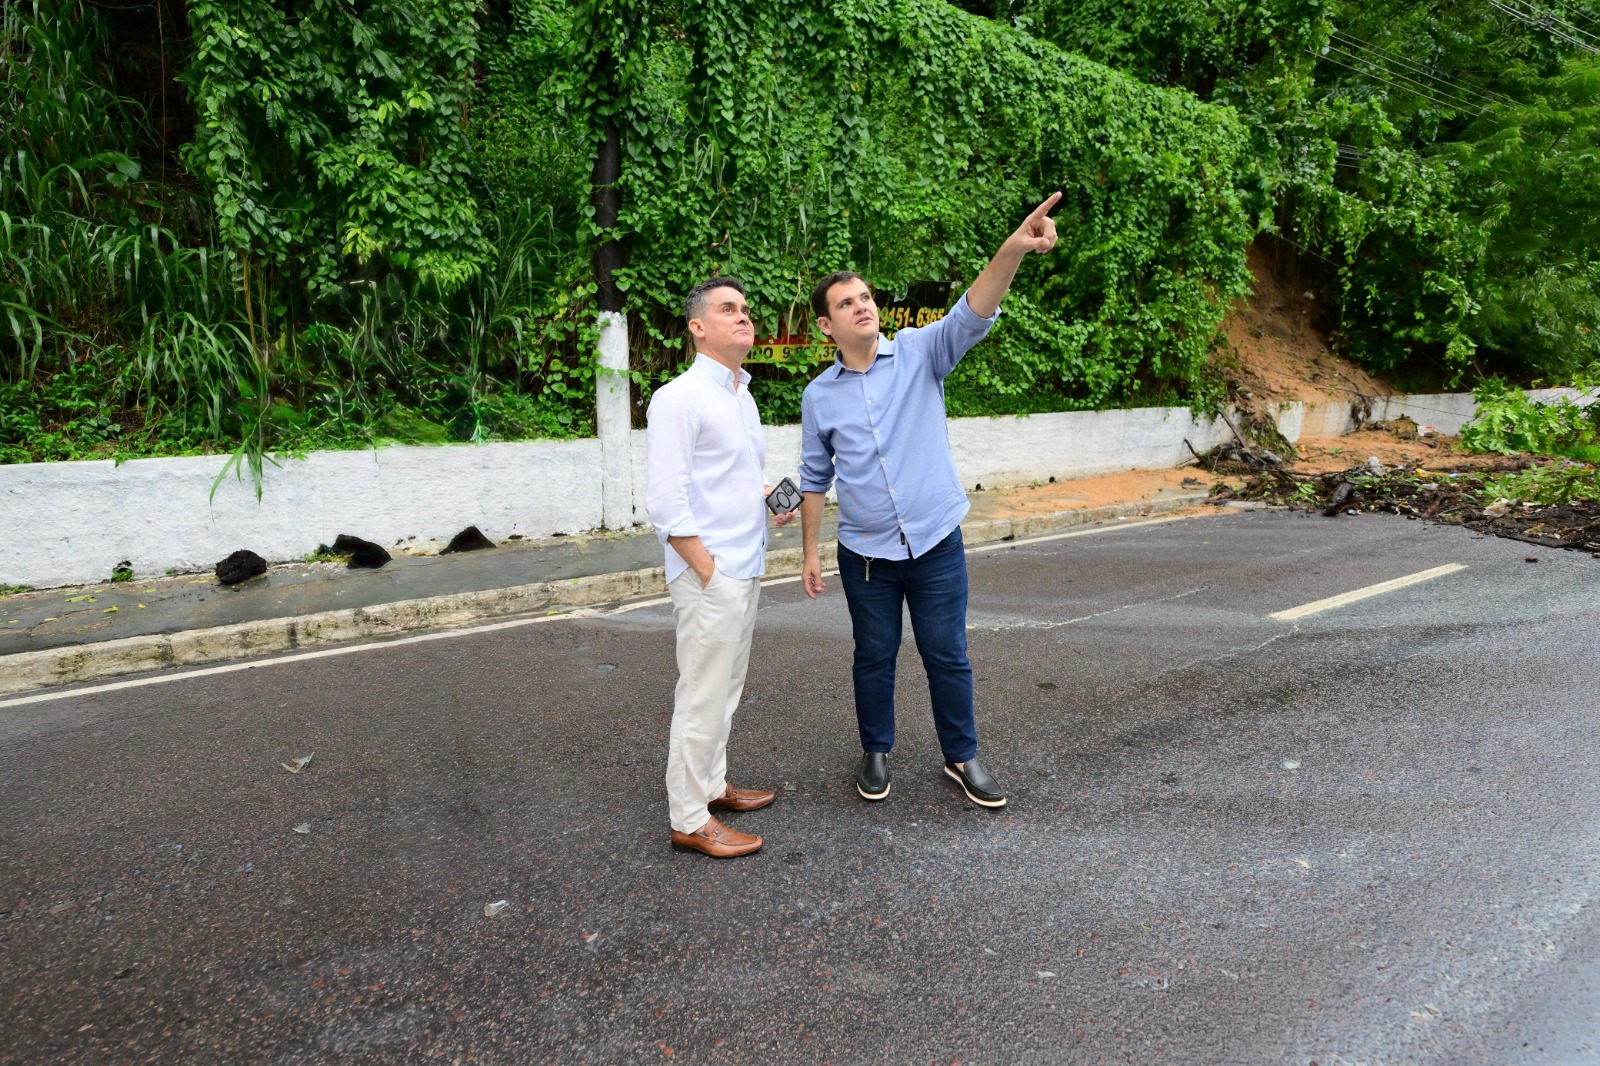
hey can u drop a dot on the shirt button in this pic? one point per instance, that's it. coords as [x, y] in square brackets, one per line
[883, 460]
[891, 492]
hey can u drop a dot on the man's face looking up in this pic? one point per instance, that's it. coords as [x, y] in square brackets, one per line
[724, 326]
[852, 313]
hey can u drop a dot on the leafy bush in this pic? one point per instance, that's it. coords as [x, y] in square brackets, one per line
[1509, 421]
[1554, 484]
[905, 139]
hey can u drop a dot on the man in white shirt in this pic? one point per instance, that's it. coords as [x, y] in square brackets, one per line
[705, 495]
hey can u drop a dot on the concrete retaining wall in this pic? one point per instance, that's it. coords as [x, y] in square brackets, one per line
[68, 523]
[65, 523]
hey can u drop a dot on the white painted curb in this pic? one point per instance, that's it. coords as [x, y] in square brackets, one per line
[111, 658]
[72, 523]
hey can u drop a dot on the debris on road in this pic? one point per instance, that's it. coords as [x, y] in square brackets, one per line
[492, 909]
[304, 829]
[470, 539]
[364, 554]
[1341, 498]
[1453, 487]
[240, 566]
[294, 766]
[1291, 764]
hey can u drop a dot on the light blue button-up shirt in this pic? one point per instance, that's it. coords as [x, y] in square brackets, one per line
[882, 435]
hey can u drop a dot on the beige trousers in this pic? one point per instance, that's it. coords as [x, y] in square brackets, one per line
[714, 624]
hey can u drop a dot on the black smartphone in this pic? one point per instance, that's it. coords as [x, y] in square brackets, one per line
[786, 497]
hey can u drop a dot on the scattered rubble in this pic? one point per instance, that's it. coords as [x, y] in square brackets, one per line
[470, 539]
[1443, 485]
[242, 565]
[364, 554]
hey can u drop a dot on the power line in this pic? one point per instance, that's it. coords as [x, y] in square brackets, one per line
[1543, 20]
[1547, 21]
[1455, 105]
[1579, 12]
[1433, 89]
[1564, 24]
[1394, 57]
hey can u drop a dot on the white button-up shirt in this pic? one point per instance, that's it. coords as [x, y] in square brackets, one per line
[706, 459]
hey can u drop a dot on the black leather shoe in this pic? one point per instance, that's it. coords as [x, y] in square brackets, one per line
[977, 783]
[872, 776]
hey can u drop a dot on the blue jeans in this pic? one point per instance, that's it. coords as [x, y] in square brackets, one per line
[934, 587]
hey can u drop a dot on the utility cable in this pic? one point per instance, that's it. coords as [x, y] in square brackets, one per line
[1565, 25]
[1542, 20]
[1456, 106]
[1435, 90]
[1353, 41]
[1579, 12]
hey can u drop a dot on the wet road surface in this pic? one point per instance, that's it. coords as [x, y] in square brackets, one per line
[1368, 835]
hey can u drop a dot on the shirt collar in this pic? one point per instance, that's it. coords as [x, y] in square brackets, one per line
[719, 373]
[885, 350]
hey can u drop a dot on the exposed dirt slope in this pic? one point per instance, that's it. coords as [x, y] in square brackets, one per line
[1274, 352]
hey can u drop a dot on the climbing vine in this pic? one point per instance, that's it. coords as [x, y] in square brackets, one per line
[904, 139]
[329, 131]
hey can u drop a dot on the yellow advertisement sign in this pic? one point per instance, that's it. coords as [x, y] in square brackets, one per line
[921, 304]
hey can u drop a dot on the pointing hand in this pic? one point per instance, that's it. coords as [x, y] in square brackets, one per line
[1038, 231]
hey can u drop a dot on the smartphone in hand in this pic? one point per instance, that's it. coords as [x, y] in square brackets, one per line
[786, 497]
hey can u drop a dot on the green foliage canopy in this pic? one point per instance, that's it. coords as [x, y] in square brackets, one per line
[905, 139]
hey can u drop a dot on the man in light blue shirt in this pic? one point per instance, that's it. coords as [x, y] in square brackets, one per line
[874, 424]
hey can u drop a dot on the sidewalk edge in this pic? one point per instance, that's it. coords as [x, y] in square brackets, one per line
[26, 671]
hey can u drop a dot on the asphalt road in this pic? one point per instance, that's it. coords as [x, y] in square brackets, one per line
[1365, 836]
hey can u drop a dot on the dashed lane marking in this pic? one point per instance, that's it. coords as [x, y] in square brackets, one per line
[1002, 544]
[1318, 606]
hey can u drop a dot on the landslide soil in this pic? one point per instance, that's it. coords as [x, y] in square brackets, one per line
[1274, 353]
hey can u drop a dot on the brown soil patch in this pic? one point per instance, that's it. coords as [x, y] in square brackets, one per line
[1327, 455]
[1274, 353]
[1124, 487]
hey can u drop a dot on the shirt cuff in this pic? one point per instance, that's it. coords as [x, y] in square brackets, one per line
[965, 309]
[685, 528]
[811, 484]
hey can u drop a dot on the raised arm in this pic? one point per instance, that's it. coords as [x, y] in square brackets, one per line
[1036, 234]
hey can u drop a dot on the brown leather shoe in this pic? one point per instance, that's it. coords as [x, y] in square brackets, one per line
[743, 799]
[716, 840]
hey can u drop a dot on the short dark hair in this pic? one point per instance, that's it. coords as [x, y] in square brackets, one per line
[694, 305]
[819, 295]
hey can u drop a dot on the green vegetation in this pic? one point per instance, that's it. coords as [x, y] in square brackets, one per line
[269, 226]
[1508, 421]
[1547, 485]
[1428, 163]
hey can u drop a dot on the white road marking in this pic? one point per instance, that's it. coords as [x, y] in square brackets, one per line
[1000, 544]
[1031, 624]
[1318, 606]
[347, 649]
[659, 600]
[450, 634]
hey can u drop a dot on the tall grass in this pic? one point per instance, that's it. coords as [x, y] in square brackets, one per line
[90, 268]
[116, 298]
